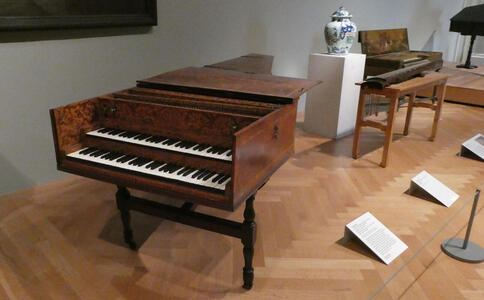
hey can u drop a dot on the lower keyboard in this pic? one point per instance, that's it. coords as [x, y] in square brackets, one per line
[187, 175]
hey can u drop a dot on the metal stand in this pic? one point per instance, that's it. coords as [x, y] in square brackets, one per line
[468, 65]
[464, 250]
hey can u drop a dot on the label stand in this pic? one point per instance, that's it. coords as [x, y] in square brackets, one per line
[473, 148]
[425, 184]
[374, 236]
[464, 152]
[463, 249]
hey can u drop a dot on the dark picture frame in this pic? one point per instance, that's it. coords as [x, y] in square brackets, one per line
[34, 22]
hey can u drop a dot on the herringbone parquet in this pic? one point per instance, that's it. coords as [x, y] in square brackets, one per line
[63, 240]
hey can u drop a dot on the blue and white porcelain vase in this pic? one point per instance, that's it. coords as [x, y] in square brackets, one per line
[340, 32]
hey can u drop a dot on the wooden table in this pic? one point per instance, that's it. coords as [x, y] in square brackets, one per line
[394, 92]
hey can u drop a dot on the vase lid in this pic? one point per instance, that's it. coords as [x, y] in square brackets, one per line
[341, 13]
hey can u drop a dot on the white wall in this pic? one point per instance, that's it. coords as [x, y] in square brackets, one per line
[41, 70]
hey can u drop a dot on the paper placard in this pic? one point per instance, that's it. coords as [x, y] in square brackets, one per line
[475, 145]
[377, 237]
[435, 188]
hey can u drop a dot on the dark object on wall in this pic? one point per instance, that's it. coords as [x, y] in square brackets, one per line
[387, 50]
[207, 136]
[383, 80]
[62, 14]
[469, 21]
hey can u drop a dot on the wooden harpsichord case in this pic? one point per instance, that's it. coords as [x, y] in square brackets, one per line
[211, 136]
[388, 50]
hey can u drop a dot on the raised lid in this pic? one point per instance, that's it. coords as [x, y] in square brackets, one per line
[231, 84]
[250, 63]
[374, 42]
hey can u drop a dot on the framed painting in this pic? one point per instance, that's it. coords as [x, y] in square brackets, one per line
[52, 14]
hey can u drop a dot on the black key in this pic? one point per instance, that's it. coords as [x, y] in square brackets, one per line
[98, 153]
[153, 165]
[170, 142]
[182, 170]
[229, 153]
[105, 155]
[222, 151]
[165, 167]
[130, 134]
[210, 150]
[87, 151]
[144, 162]
[104, 130]
[200, 176]
[218, 177]
[95, 152]
[181, 145]
[174, 169]
[197, 173]
[190, 144]
[189, 171]
[206, 177]
[125, 158]
[135, 161]
[142, 137]
[150, 139]
[115, 132]
[213, 150]
[158, 139]
[125, 134]
[203, 147]
[115, 156]
[221, 180]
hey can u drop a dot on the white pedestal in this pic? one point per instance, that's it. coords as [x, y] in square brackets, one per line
[331, 106]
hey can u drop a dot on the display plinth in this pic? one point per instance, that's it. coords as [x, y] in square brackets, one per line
[331, 107]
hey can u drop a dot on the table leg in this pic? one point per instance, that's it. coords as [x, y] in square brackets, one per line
[389, 130]
[438, 110]
[359, 119]
[408, 119]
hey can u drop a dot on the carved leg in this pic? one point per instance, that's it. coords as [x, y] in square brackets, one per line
[122, 198]
[249, 229]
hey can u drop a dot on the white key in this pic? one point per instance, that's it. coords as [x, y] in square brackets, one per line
[142, 169]
[160, 145]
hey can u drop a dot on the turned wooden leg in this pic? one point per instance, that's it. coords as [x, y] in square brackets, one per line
[122, 199]
[359, 119]
[411, 100]
[249, 229]
[438, 110]
[389, 130]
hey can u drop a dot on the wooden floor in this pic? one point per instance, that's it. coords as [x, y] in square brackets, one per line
[63, 240]
[465, 85]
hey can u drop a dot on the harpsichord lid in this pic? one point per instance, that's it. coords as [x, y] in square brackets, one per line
[231, 84]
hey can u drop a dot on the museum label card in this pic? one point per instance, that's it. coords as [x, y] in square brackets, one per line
[476, 145]
[435, 188]
[377, 237]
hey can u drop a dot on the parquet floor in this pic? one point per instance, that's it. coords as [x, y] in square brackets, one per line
[63, 240]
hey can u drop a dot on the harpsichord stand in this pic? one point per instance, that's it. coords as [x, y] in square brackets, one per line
[245, 231]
